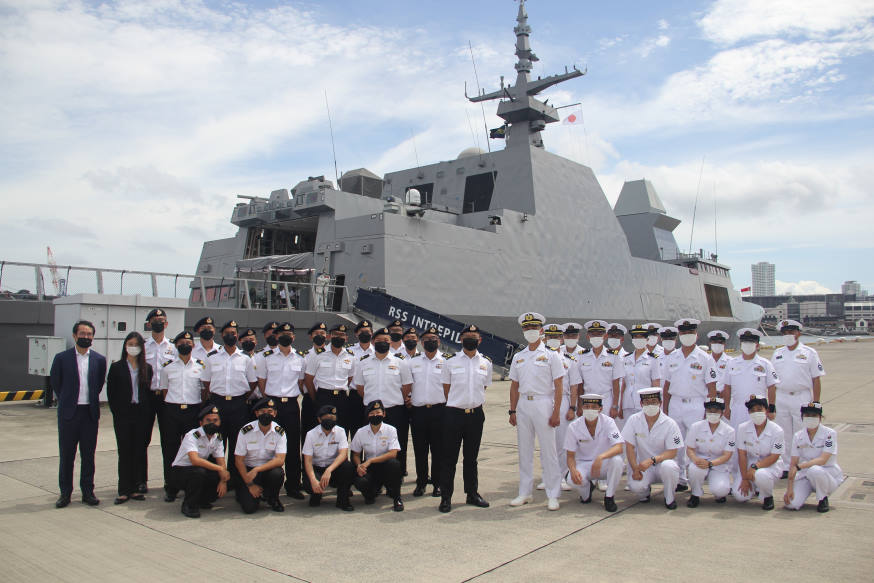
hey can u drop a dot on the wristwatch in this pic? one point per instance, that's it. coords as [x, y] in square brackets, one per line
[572, 408]
[654, 462]
[798, 467]
[709, 465]
[754, 466]
[772, 408]
[511, 412]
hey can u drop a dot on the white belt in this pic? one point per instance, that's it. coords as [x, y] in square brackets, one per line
[689, 399]
[534, 397]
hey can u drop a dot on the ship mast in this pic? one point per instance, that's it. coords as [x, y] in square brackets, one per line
[525, 115]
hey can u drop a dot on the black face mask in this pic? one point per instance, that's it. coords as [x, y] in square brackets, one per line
[265, 419]
[248, 345]
[158, 327]
[365, 337]
[410, 344]
[469, 343]
[83, 342]
[396, 336]
[229, 339]
[285, 340]
[328, 424]
[272, 341]
[210, 428]
[338, 342]
[430, 345]
[319, 340]
[206, 334]
[376, 419]
[184, 349]
[381, 346]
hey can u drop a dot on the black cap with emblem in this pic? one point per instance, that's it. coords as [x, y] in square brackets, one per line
[264, 403]
[362, 324]
[375, 405]
[326, 410]
[203, 322]
[228, 324]
[339, 328]
[156, 313]
[470, 328]
[209, 409]
[318, 326]
[272, 325]
[183, 336]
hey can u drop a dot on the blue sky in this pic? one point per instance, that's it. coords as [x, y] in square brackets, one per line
[130, 127]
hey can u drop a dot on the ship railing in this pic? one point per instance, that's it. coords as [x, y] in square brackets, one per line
[20, 281]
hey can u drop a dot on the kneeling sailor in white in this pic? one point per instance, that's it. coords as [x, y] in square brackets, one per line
[594, 451]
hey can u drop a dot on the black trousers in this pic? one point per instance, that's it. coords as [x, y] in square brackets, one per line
[357, 416]
[340, 400]
[387, 473]
[399, 418]
[270, 482]
[308, 418]
[156, 402]
[174, 422]
[427, 425]
[459, 427]
[288, 416]
[132, 435]
[199, 484]
[341, 478]
[234, 413]
[78, 432]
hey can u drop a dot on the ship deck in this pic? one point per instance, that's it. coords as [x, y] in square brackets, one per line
[151, 540]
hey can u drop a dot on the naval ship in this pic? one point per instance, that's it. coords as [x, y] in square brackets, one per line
[481, 238]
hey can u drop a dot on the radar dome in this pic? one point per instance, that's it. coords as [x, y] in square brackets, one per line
[470, 152]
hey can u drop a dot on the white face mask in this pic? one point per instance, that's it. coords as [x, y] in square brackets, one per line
[717, 348]
[669, 344]
[811, 422]
[639, 343]
[614, 343]
[758, 417]
[590, 414]
[651, 410]
[553, 342]
[713, 417]
[789, 339]
[571, 343]
[652, 340]
[748, 347]
[596, 342]
[134, 350]
[531, 336]
[688, 339]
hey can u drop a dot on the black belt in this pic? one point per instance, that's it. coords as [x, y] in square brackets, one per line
[282, 399]
[429, 406]
[335, 392]
[467, 411]
[182, 406]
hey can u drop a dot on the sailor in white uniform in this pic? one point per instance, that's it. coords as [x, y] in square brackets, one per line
[553, 335]
[593, 450]
[717, 339]
[641, 371]
[710, 447]
[668, 336]
[748, 374]
[615, 337]
[759, 444]
[601, 368]
[814, 464]
[653, 337]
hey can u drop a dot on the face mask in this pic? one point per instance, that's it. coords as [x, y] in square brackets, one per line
[248, 345]
[365, 337]
[134, 350]
[284, 340]
[571, 343]
[229, 339]
[265, 418]
[596, 342]
[652, 340]
[381, 346]
[669, 344]
[272, 341]
[319, 340]
[651, 410]
[811, 422]
[639, 343]
[613, 343]
[590, 414]
[184, 349]
[553, 342]
[210, 428]
[531, 336]
[688, 340]
[410, 344]
[717, 348]
[158, 327]
[748, 347]
[430, 345]
[396, 336]
[206, 335]
[758, 417]
[338, 342]
[713, 417]
[469, 343]
[788, 339]
[83, 342]
[328, 424]
[375, 419]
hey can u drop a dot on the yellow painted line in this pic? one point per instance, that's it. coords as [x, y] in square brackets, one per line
[21, 395]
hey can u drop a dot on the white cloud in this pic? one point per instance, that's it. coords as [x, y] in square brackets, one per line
[663, 24]
[651, 44]
[804, 287]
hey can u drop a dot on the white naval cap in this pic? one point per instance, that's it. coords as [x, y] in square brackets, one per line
[615, 327]
[750, 334]
[596, 326]
[783, 324]
[593, 398]
[720, 333]
[669, 330]
[529, 318]
[553, 329]
[572, 327]
[652, 326]
[715, 402]
[687, 324]
[649, 392]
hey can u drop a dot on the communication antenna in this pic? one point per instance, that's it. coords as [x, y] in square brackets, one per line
[415, 151]
[715, 239]
[478, 92]
[333, 149]
[695, 208]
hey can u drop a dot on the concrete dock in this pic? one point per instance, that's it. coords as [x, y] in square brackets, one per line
[152, 540]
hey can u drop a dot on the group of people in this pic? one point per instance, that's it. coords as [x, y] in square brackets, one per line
[339, 415]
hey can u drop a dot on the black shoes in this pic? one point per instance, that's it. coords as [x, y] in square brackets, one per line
[137, 496]
[681, 488]
[315, 500]
[609, 504]
[823, 505]
[345, 506]
[398, 505]
[120, 500]
[205, 505]
[586, 500]
[168, 497]
[190, 512]
[720, 500]
[90, 499]
[693, 502]
[445, 505]
[296, 494]
[476, 500]
[369, 499]
[63, 500]
[436, 493]
[768, 503]
[671, 506]
[419, 491]
[276, 505]
[142, 488]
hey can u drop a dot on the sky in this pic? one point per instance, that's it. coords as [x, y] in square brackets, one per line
[128, 128]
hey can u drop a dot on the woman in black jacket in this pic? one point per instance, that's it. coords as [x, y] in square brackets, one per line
[127, 390]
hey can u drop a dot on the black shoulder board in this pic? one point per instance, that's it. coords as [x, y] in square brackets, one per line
[553, 349]
[279, 430]
[166, 363]
[616, 351]
[569, 355]
[485, 356]
[301, 353]
[399, 355]
[197, 435]
[448, 355]
[213, 351]
[363, 356]
[268, 352]
[246, 428]
[198, 361]
[586, 351]
[349, 350]
[417, 354]
[319, 350]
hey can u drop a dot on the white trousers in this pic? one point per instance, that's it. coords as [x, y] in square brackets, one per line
[789, 416]
[718, 479]
[817, 479]
[685, 414]
[763, 483]
[532, 418]
[560, 433]
[611, 470]
[666, 473]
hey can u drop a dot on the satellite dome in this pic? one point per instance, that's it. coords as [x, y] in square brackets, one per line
[470, 152]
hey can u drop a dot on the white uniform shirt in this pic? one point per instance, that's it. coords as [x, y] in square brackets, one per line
[358, 352]
[375, 444]
[229, 375]
[535, 370]
[182, 381]
[640, 373]
[205, 446]
[796, 370]
[599, 371]
[587, 447]
[258, 447]
[825, 440]
[721, 366]
[711, 444]
[329, 370]
[82, 366]
[749, 377]
[283, 373]
[689, 375]
[571, 367]
[427, 379]
[157, 353]
[664, 435]
[200, 353]
[382, 378]
[761, 446]
[663, 357]
[324, 449]
[467, 378]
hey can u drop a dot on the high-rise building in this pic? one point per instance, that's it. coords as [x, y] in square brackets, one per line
[853, 288]
[763, 279]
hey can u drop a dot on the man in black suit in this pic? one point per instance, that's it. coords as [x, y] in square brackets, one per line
[77, 376]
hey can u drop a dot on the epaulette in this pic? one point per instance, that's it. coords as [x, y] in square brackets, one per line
[569, 355]
[196, 435]
[319, 350]
[301, 353]
[485, 356]
[552, 349]
[214, 351]
[163, 364]
[200, 362]
[363, 356]
[417, 354]
[349, 350]
[653, 354]
[246, 428]
[586, 351]
[448, 355]
[614, 351]
[279, 430]
[400, 355]
[268, 352]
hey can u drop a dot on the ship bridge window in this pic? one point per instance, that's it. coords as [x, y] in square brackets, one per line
[425, 191]
[262, 242]
[478, 191]
[717, 300]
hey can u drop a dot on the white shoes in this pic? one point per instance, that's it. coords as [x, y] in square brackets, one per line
[565, 486]
[552, 504]
[520, 500]
[602, 485]
[541, 486]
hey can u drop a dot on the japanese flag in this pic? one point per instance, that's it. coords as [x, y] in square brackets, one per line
[574, 118]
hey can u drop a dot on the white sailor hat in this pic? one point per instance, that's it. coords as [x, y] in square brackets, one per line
[572, 327]
[553, 329]
[789, 324]
[615, 327]
[687, 324]
[596, 326]
[649, 392]
[756, 400]
[715, 333]
[531, 318]
[749, 334]
[652, 326]
[714, 402]
[668, 331]
[593, 398]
